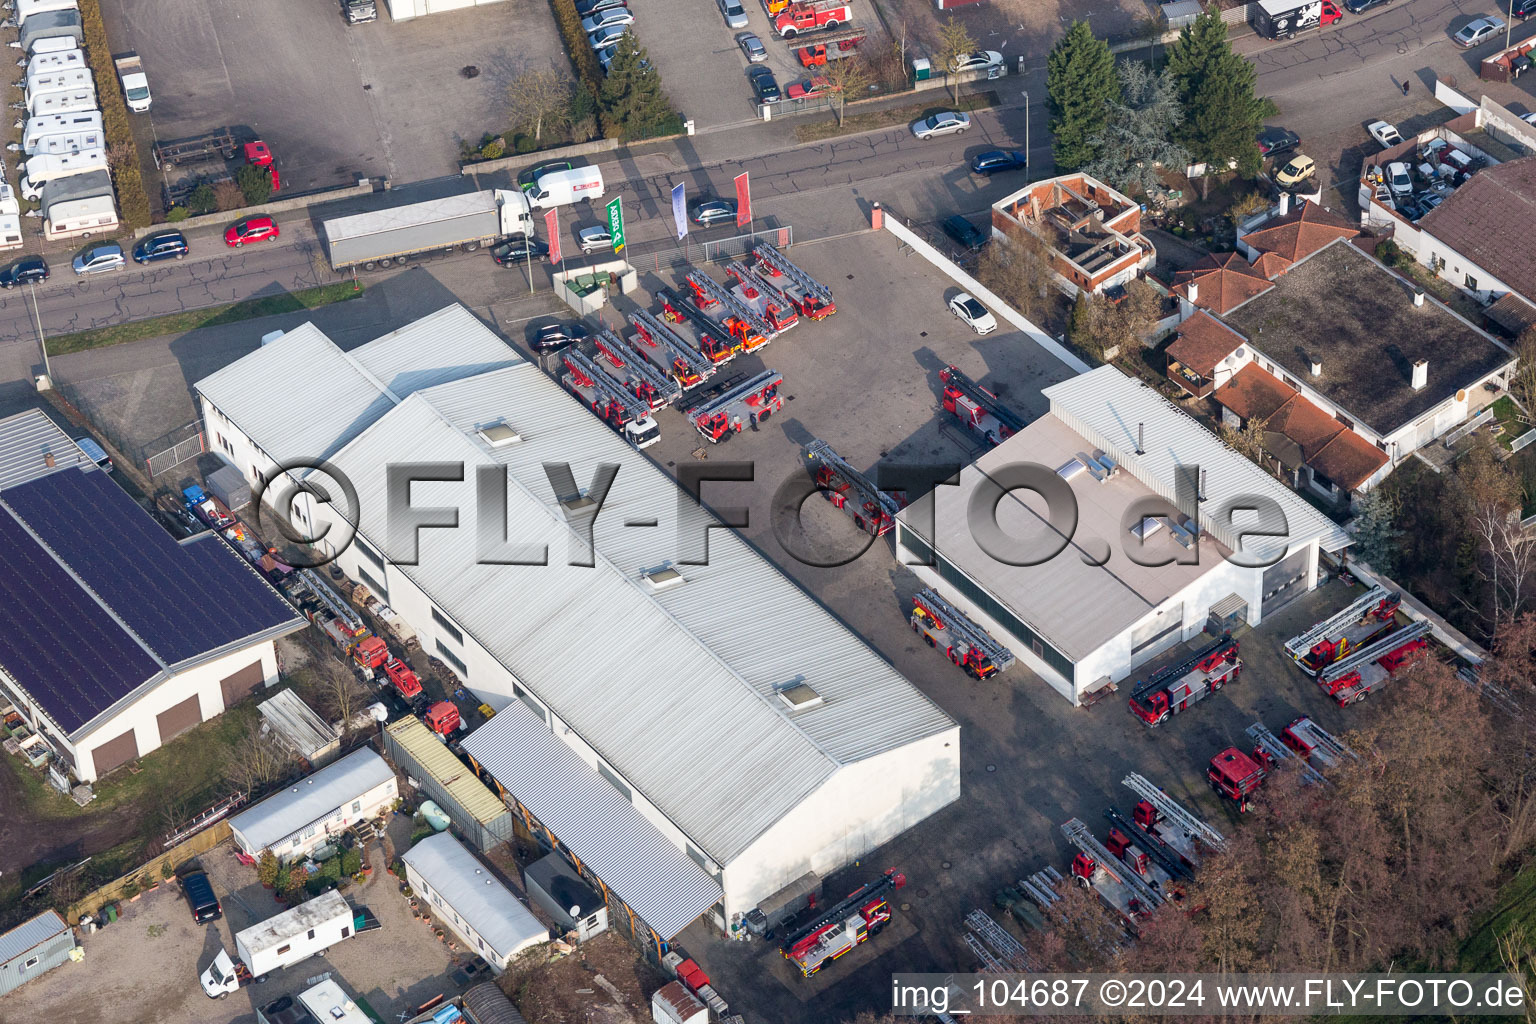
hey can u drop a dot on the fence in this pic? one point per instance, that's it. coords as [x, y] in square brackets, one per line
[177, 450]
[148, 875]
[694, 253]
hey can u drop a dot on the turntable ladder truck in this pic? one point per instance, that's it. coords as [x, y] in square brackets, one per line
[666, 349]
[1272, 752]
[1180, 686]
[765, 299]
[1237, 776]
[873, 510]
[1370, 668]
[1333, 638]
[717, 344]
[734, 315]
[1167, 821]
[1316, 744]
[856, 918]
[1143, 851]
[967, 644]
[607, 398]
[811, 297]
[727, 413]
[338, 607]
[1098, 869]
[648, 382]
[978, 408]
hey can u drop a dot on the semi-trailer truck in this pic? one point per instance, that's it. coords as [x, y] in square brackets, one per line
[280, 941]
[464, 223]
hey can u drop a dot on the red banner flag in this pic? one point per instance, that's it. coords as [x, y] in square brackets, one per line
[743, 200]
[552, 228]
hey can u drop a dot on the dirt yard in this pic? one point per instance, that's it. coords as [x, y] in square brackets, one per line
[605, 981]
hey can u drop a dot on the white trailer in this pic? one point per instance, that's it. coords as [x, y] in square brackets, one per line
[464, 223]
[40, 170]
[42, 79]
[279, 942]
[64, 60]
[78, 206]
[26, 8]
[72, 102]
[85, 123]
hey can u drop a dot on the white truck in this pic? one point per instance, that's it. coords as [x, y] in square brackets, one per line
[83, 123]
[279, 942]
[372, 241]
[40, 170]
[130, 71]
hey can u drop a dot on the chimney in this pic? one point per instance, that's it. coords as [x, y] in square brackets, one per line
[48, 460]
[1194, 292]
[1141, 432]
[1200, 494]
[1285, 203]
[1418, 296]
[1317, 368]
[1420, 374]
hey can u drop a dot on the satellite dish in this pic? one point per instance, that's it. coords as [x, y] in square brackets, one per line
[1461, 395]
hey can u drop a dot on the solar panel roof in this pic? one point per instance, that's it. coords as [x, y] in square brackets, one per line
[183, 600]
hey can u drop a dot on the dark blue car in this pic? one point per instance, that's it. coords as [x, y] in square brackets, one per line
[167, 245]
[999, 160]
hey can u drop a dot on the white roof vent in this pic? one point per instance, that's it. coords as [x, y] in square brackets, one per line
[661, 579]
[498, 434]
[799, 695]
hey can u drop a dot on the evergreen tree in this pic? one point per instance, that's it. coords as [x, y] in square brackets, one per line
[1221, 112]
[1081, 85]
[1139, 137]
[1376, 533]
[631, 96]
[1197, 50]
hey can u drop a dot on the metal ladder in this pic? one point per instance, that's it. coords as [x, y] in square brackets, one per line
[989, 962]
[1299, 646]
[982, 397]
[1327, 745]
[967, 630]
[731, 396]
[822, 452]
[730, 304]
[608, 389]
[1080, 836]
[1041, 886]
[1271, 745]
[769, 256]
[665, 384]
[1006, 946]
[1375, 652]
[332, 600]
[747, 279]
[1170, 809]
[672, 343]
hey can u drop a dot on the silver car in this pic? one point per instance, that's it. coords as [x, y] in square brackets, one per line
[595, 238]
[99, 258]
[752, 48]
[612, 16]
[950, 122]
[735, 14]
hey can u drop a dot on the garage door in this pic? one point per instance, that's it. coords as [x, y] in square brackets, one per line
[1282, 581]
[240, 685]
[177, 720]
[115, 752]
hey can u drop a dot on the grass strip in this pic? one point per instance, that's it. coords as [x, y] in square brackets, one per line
[213, 316]
[815, 131]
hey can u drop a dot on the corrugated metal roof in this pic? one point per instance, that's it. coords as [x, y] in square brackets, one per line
[475, 894]
[487, 1004]
[294, 720]
[440, 347]
[25, 438]
[446, 770]
[29, 934]
[1107, 407]
[311, 798]
[650, 874]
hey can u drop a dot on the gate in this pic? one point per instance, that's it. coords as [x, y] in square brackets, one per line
[180, 445]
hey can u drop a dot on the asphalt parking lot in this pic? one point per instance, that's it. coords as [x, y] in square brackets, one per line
[336, 102]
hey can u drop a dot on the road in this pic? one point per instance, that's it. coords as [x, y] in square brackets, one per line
[1327, 84]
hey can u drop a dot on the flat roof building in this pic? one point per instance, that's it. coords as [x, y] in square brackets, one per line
[309, 813]
[33, 948]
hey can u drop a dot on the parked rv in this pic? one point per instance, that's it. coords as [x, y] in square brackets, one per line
[278, 942]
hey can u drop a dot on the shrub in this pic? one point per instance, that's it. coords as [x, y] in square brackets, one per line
[266, 864]
[176, 214]
[493, 150]
[351, 862]
[132, 201]
[227, 196]
[203, 199]
[255, 184]
[166, 871]
[576, 44]
[525, 145]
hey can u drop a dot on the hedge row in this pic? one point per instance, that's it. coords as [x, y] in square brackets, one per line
[132, 201]
[577, 45]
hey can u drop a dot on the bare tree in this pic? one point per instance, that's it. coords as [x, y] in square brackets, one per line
[1506, 563]
[850, 75]
[955, 44]
[341, 695]
[1247, 440]
[1017, 268]
[256, 761]
[228, 196]
[539, 99]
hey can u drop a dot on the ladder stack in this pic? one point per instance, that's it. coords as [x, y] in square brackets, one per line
[1171, 810]
[777, 307]
[1008, 948]
[333, 601]
[880, 508]
[617, 402]
[1041, 886]
[647, 381]
[755, 331]
[1324, 745]
[1301, 645]
[965, 630]
[1279, 753]
[1081, 836]
[816, 298]
[990, 963]
[688, 362]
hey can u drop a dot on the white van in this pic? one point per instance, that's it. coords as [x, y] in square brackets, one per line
[561, 188]
[85, 122]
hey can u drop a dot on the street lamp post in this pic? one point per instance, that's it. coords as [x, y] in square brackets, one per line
[1027, 157]
[1509, 24]
[41, 341]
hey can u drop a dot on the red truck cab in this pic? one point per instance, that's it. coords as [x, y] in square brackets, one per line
[1237, 776]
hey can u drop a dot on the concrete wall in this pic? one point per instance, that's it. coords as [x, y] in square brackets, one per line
[276, 206]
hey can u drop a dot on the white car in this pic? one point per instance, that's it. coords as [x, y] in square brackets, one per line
[1385, 134]
[950, 122]
[973, 313]
[1529, 119]
[1474, 32]
[1399, 179]
[981, 60]
[606, 37]
[603, 19]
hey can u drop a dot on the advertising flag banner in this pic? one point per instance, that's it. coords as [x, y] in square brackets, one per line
[679, 211]
[552, 228]
[616, 222]
[743, 200]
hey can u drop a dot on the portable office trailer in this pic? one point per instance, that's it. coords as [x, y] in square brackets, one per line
[33, 948]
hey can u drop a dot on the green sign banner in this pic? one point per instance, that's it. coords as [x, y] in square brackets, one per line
[616, 222]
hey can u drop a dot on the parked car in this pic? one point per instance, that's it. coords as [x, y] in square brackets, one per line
[606, 18]
[1410, 207]
[735, 14]
[973, 313]
[764, 84]
[1478, 30]
[606, 37]
[1297, 171]
[519, 250]
[1429, 199]
[558, 335]
[1361, 6]
[1523, 9]
[199, 893]
[99, 258]
[1399, 179]
[949, 122]
[252, 229]
[166, 245]
[1331, 13]
[1385, 134]
[1275, 141]
[605, 58]
[997, 161]
[752, 47]
[587, 8]
[712, 211]
[30, 270]
[981, 60]
[595, 238]
[527, 179]
[964, 232]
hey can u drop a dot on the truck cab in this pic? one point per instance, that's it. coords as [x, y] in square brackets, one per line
[221, 978]
[360, 12]
[643, 432]
[130, 71]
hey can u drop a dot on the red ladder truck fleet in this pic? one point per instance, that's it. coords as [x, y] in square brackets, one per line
[1270, 751]
[739, 321]
[812, 16]
[765, 299]
[1319, 746]
[717, 345]
[860, 916]
[873, 510]
[811, 298]
[1176, 688]
[665, 349]
[1122, 891]
[739, 402]
[1367, 617]
[844, 44]
[643, 378]
[978, 408]
[608, 399]
[1370, 667]
[943, 626]
[1148, 861]
[1166, 822]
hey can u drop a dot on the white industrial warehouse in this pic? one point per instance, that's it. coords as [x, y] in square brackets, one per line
[1091, 612]
[703, 756]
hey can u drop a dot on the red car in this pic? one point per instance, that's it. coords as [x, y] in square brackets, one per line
[1331, 13]
[252, 229]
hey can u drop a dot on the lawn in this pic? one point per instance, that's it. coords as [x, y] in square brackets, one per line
[213, 316]
[815, 131]
[1511, 418]
[1515, 909]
